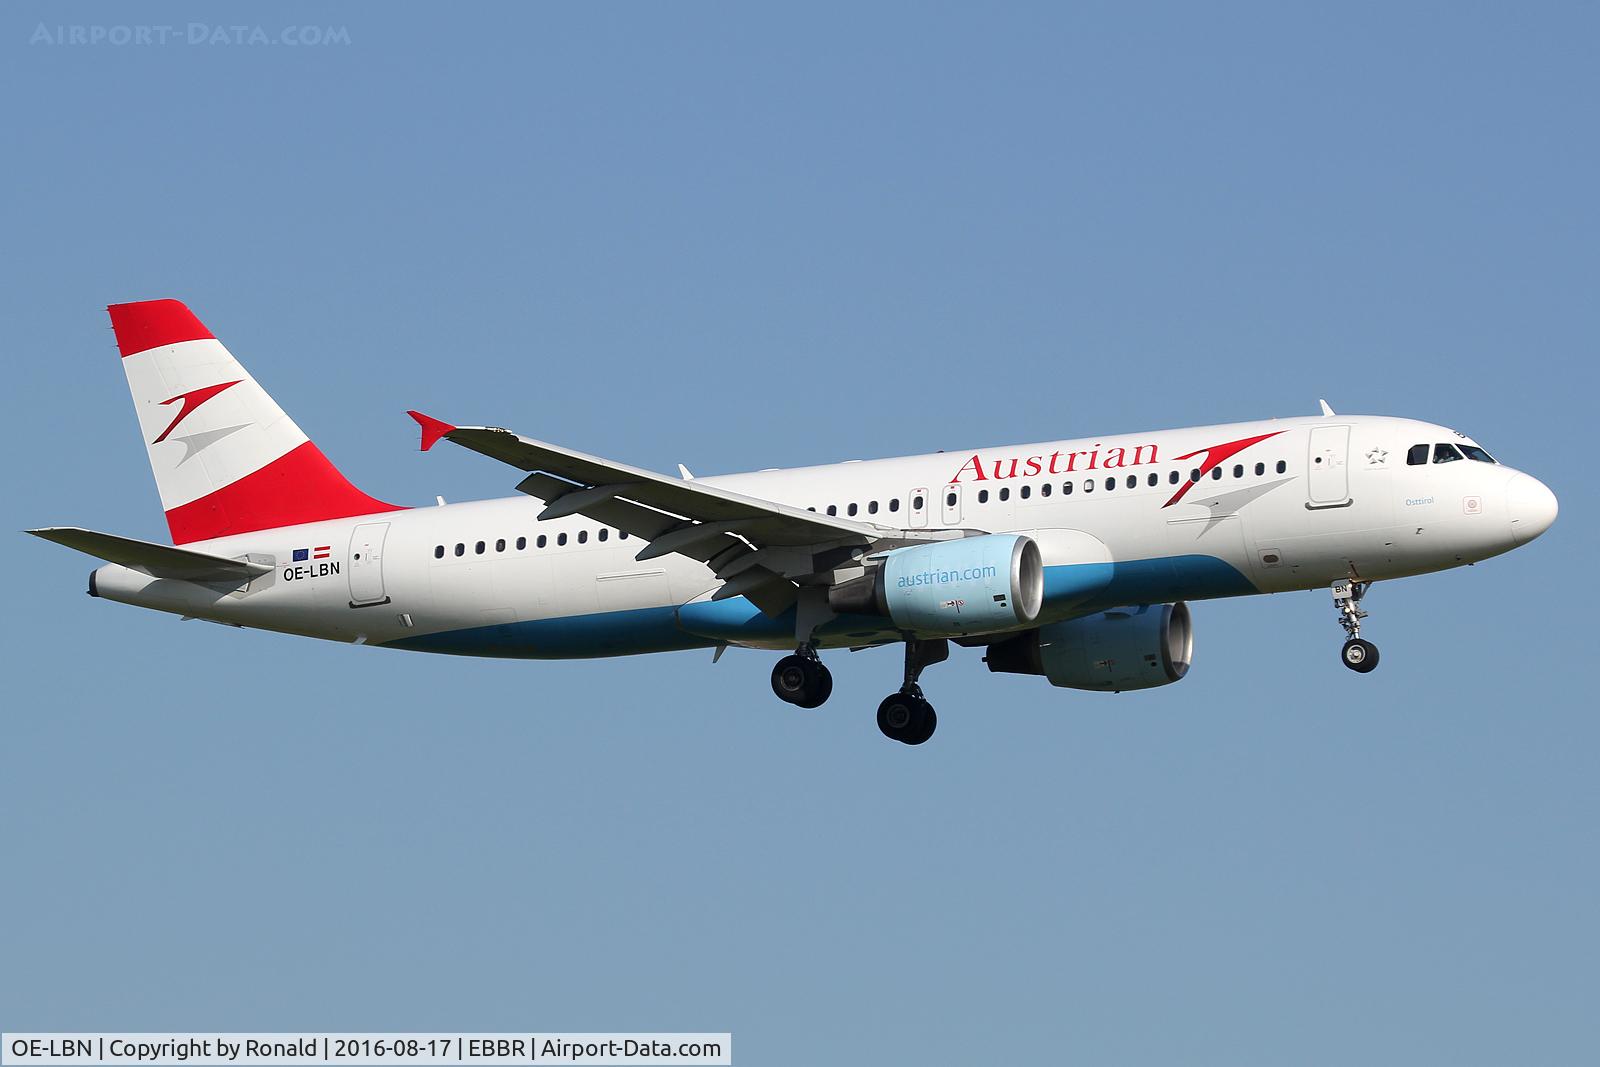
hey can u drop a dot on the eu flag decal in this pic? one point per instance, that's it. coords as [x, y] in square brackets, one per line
[301, 554]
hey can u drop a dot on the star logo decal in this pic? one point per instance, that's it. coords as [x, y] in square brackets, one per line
[1377, 456]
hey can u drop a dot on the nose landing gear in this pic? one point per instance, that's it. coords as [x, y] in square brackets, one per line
[906, 716]
[1358, 654]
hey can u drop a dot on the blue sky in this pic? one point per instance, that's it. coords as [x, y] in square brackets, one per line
[747, 236]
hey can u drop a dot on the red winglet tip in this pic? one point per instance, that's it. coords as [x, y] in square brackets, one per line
[432, 428]
[150, 324]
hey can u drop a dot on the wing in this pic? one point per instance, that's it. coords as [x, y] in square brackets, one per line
[158, 561]
[759, 548]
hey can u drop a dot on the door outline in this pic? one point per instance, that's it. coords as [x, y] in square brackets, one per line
[366, 565]
[1328, 468]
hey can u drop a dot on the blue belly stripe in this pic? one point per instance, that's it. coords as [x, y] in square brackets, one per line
[1070, 591]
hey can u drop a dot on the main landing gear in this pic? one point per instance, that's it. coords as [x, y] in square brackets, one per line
[802, 680]
[1358, 654]
[906, 716]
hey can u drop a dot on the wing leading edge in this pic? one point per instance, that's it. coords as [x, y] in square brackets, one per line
[759, 548]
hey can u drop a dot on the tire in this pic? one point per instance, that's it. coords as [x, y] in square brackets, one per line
[821, 687]
[907, 719]
[1359, 655]
[790, 677]
[897, 716]
[927, 722]
[800, 681]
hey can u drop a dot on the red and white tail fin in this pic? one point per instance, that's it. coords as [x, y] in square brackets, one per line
[227, 460]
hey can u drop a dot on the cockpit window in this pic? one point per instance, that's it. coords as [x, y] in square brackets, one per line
[1444, 452]
[1417, 455]
[1476, 453]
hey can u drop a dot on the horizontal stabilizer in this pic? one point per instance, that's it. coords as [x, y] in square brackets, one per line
[158, 561]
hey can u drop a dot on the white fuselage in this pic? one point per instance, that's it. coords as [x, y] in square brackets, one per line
[1313, 500]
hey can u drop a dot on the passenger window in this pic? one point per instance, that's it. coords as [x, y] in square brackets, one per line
[1194, 475]
[478, 548]
[522, 543]
[1044, 490]
[622, 535]
[583, 537]
[949, 500]
[541, 542]
[1154, 478]
[851, 510]
[461, 549]
[1005, 494]
[1172, 479]
[500, 545]
[1282, 466]
[1238, 470]
[1066, 488]
[1416, 455]
[894, 505]
[1088, 485]
[603, 533]
[1476, 453]
[872, 507]
[983, 496]
[1133, 481]
[1445, 452]
[916, 503]
[1216, 474]
[1261, 468]
[833, 509]
[1025, 492]
[1111, 483]
[561, 539]
[438, 552]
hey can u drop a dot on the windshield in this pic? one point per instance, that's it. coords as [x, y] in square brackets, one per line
[1474, 452]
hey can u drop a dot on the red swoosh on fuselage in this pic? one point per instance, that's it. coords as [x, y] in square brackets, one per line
[1215, 455]
[191, 400]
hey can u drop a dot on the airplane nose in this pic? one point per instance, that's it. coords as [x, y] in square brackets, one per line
[1532, 506]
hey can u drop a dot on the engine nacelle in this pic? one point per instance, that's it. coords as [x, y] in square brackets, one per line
[1125, 648]
[973, 585]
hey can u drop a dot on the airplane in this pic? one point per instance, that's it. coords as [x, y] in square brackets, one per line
[1072, 560]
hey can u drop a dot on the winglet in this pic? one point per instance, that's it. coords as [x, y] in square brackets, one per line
[432, 429]
[1326, 410]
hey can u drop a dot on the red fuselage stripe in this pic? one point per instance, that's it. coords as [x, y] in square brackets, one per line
[301, 486]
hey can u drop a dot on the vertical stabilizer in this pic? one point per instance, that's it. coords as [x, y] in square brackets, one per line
[226, 458]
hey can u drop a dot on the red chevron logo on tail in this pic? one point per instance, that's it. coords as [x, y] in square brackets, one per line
[191, 400]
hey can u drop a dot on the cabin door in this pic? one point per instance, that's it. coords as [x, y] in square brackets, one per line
[1327, 474]
[366, 564]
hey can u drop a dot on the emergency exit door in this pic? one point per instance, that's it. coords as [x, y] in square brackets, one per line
[1327, 474]
[366, 564]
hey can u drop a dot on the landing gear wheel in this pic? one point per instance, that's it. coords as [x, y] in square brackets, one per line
[1359, 655]
[907, 718]
[802, 681]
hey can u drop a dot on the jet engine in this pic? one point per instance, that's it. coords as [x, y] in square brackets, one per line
[1125, 648]
[951, 588]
